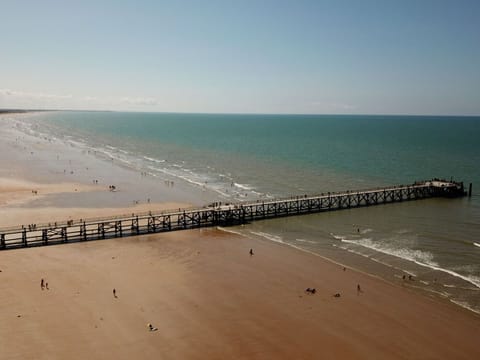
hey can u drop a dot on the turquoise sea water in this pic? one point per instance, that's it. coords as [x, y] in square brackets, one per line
[244, 157]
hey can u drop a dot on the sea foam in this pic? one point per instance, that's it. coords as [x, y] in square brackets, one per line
[422, 258]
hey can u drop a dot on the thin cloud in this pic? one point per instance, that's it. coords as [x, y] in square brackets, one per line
[139, 101]
[33, 95]
[90, 99]
[40, 99]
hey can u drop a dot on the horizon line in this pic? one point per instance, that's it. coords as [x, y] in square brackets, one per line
[26, 110]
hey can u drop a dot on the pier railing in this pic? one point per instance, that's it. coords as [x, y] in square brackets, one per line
[217, 215]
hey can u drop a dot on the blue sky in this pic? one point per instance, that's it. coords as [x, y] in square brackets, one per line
[363, 56]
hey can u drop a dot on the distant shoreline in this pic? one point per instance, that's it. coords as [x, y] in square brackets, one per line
[16, 111]
[22, 111]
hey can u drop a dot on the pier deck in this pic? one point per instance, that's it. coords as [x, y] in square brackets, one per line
[218, 215]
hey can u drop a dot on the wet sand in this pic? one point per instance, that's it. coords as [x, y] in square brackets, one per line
[47, 161]
[19, 191]
[210, 299]
[43, 180]
[25, 202]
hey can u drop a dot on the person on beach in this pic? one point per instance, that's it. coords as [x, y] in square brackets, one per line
[114, 293]
[46, 286]
[359, 289]
[251, 252]
[42, 284]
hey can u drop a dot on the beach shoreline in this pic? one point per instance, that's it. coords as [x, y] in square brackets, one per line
[202, 290]
[43, 180]
[30, 155]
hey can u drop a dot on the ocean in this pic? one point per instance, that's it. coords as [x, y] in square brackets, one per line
[247, 157]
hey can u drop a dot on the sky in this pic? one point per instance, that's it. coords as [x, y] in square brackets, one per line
[264, 56]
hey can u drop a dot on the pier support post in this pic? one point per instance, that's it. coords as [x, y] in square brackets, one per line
[64, 235]
[45, 236]
[24, 238]
[101, 231]
[2, 241]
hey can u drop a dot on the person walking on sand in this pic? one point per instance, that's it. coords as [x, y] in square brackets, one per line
[359, 289]
[251, 252]
[114, 293]
[42, 284]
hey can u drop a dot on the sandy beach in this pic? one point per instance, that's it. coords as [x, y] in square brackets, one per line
[43, 180]
[26, 202]
[202, 291]
[210, 299]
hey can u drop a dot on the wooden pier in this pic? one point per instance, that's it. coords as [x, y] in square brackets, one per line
[218, 215]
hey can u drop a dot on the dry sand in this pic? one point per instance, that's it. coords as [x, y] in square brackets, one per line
[210, 299]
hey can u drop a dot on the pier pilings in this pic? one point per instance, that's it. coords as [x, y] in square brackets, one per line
[220, 215]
